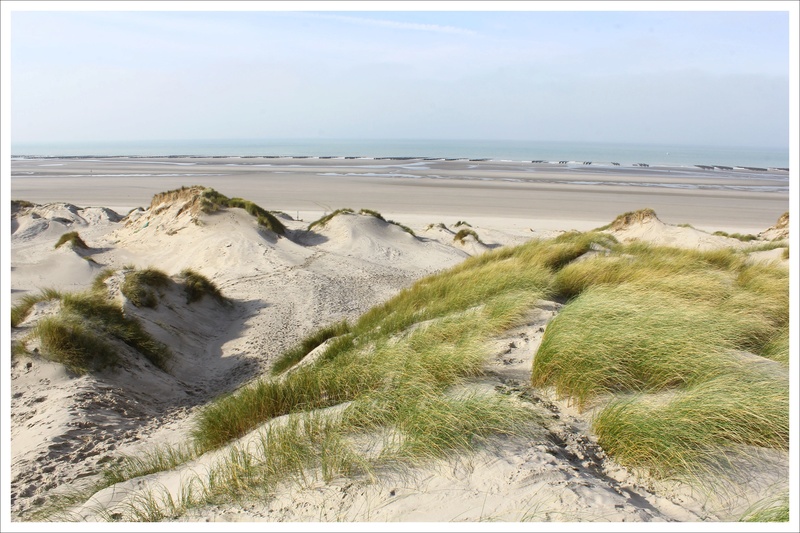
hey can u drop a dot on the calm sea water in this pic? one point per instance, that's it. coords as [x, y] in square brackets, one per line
[625, 154]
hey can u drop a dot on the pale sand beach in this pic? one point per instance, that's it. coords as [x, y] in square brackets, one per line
[545, 196]
[65, 427]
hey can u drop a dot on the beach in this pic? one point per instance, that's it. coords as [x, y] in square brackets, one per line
[283, 279]
[542, 195]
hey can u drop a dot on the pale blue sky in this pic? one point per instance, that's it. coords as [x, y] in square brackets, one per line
[718, 78]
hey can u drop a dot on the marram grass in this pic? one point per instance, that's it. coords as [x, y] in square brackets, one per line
[140, 285]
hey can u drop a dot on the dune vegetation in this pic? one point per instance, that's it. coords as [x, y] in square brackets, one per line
[320, 222]
[681, 356]
[73, 239]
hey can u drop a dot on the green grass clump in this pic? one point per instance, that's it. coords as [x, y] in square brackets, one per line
[20, 204]
[324, 220]
[73, 239]
[372, 213]
[774, 509]
[738, 236]
[626, 339]
[139, 284]
[67, 341]
[462, 223]
[652, 337]
[99, 314]
[296, 354]
[99, 282]
[693, 430]
[644, 263]
[459, 309]
[464, 233]
[196, 286]
[212, 201]
[21, 310]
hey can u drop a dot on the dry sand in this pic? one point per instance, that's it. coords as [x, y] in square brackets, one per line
[64, 427]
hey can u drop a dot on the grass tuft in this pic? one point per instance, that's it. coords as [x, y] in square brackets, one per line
[296, 354]
[464, 233]
[139, 284]
[21, 310]
[73, 239]
[196, 286]
[67, 341]
[325, 219]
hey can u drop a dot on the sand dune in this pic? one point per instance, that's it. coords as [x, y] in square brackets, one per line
[282, 287]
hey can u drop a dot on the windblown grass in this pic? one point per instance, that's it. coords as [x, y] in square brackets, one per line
[325, 219]
[652, 335]
[99, 281]
[107, 317]
[656, 331]
[296, 354]
[196, 286]
[460, 309]
[73, 238]
[741, 237]
[21, 310]
[693, 430]
[139, 286]
[67, 341]
[213, 200]
[80, 335]
[20, 204]
[464, 233]
[774, 509]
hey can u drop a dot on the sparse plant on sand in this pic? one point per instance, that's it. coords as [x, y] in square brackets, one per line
[196, 286]
[324, 219]
[139, 286]
[21, 310]
[464, 233]
[82, 333]
[738, 236]
[213, 200]
[296, 354]
[73, 239]
[462, 223]
[67, 341]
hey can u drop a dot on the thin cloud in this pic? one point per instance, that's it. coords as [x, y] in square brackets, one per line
[397, 25]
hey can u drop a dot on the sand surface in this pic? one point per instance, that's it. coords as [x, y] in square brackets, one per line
[65, 427]
[548, 196]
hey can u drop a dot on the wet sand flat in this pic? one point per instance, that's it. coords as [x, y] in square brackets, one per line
[568, 196]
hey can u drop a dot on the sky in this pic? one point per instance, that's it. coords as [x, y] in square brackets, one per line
[669, 77]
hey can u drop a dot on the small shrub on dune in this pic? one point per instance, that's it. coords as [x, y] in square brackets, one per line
[462, 223]
[138, 286]
[73, 239]
[196, 286]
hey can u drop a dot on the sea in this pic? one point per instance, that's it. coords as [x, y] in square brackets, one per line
[624, 154]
